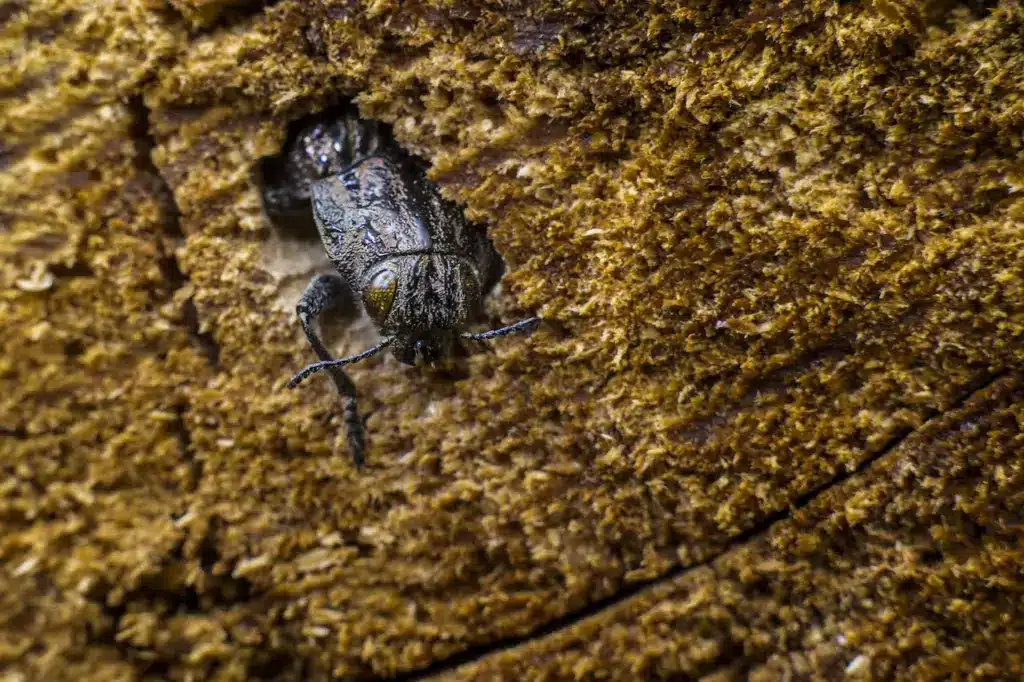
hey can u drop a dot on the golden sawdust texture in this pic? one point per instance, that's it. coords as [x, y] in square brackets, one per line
[909, 570]
[62, 58]
[769, 240]
[95, 372]
[204, 13]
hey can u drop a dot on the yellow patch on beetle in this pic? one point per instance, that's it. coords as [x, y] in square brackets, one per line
[380, 294]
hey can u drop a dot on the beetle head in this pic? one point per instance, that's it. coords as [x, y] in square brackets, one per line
[422, 302]
[424, 349]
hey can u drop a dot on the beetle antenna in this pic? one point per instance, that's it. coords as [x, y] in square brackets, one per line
[522, 327]
[320, 366]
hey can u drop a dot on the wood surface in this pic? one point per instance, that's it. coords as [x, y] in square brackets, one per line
[769, 430]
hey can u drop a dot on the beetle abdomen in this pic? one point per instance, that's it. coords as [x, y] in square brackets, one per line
[321, 148]
[369, 198]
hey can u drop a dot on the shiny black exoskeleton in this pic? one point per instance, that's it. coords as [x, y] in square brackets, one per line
[419, 268]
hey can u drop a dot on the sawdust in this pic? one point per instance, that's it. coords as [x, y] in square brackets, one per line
[773, 244]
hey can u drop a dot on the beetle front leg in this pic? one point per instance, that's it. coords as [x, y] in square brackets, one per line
[323, 293]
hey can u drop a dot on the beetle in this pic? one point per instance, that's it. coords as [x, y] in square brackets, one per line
[418, 266]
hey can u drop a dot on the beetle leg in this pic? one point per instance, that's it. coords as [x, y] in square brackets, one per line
[325, 292]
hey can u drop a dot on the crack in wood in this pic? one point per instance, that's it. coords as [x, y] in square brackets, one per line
[480, 652]
[174, 237]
